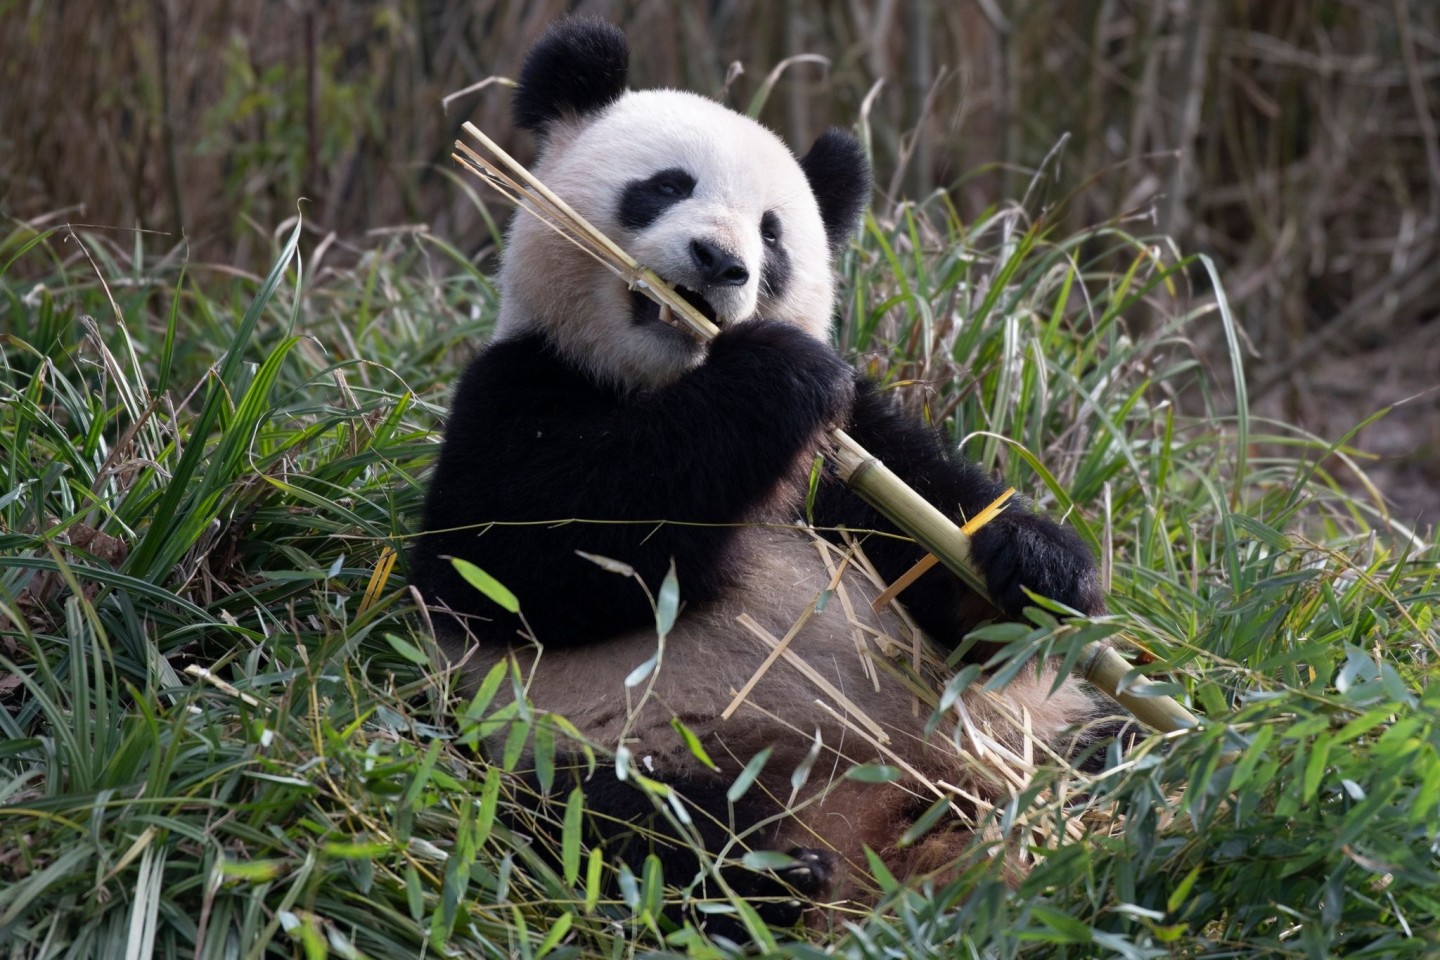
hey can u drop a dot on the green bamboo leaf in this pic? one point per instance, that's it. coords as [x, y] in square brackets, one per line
[544, 754]
[883, 877]
[422, 773]
[692, 743]
[764, 861]
[873, 773]
[593, 874]
[1182, 891]
[486, 584]
[667, 603]
[652, 888]
[747, 776]
[515, 740]
[489, 805]
[1315, 767]
[570, 836]
[1067, 929]
[485, 693]
[557, 933]
[925, 822]
[407, 649]
[414, 894]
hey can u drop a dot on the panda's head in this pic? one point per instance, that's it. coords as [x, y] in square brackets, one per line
[710, 200]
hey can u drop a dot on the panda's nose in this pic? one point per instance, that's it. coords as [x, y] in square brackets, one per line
[716, 266]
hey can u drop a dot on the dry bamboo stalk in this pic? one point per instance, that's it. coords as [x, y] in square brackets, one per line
[1102, 666]
[557, 213]
[922, 567]
[781, 649]
[777, 648]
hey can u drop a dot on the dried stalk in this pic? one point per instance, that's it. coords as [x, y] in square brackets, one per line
[1102, 666]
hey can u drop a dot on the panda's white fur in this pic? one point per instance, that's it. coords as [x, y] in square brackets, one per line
[709, 657]
[744, 170]
[584, 409]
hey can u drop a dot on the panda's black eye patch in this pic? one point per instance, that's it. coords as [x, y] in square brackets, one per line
[775, 267]
[643, 201]
[770, 228]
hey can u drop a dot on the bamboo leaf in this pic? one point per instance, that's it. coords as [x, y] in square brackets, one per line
[667, 603]
[570, 836]
[925, 821]
[692, 743]
[558, 930]
[873, 773]
[407, 649]
[765, 861]
[593, 875]
[637, 676]
[1182, 890]
[747, 776]
[544, 753]
[486, 584]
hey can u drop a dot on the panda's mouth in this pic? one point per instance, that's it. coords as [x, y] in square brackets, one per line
[646, 311]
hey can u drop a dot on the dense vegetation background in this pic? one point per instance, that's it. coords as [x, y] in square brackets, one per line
[1294, 140]
[222, 733]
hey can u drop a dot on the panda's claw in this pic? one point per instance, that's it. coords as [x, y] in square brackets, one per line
[811, 874]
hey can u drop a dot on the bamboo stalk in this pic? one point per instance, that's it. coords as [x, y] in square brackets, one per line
[514, 180]
[871, 480]
[1102, 666]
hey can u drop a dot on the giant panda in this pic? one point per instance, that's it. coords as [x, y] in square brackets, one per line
[588, 428]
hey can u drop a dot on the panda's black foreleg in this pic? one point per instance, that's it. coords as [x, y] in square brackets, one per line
[562, 466]
[630, 826]
[1018, 549]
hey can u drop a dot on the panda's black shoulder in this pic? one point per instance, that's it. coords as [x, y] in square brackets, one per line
[520, 377]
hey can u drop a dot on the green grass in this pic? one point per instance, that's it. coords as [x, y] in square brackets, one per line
[199, 470]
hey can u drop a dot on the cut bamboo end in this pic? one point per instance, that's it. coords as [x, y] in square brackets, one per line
[1106, 670]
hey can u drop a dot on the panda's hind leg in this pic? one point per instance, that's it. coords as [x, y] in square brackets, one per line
[631, 825]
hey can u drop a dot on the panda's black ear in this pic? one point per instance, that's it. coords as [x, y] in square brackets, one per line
[577, 67]
[839, 174]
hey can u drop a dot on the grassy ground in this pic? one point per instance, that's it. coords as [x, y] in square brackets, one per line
[222, 736]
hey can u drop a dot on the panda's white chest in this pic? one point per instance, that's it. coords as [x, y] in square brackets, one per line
[794, 649]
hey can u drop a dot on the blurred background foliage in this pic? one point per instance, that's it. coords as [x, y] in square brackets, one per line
[1293, 140]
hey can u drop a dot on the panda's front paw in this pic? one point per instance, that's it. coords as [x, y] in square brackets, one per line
[785, 371]
[782, 896]
[1019, 550]
[812, 874]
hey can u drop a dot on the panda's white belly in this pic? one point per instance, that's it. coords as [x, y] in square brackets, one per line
[714, 652]
[862, 709]
[859, 707]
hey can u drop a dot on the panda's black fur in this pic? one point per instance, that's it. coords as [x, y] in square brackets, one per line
[586, 427]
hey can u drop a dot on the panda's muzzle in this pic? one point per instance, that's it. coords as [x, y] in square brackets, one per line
[646, 310]
[718, 267]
